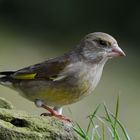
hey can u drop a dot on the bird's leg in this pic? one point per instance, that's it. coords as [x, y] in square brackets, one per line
[58, 109]
[56, 112]
[52, 112]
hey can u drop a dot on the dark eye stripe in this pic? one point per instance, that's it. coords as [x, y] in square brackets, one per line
[102, 42]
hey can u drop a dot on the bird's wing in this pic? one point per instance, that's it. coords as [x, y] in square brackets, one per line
[48, 70]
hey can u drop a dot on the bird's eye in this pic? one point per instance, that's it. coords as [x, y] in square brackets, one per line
[102, 42]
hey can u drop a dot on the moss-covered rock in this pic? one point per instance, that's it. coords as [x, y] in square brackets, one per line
[19, 125]
[5, 104]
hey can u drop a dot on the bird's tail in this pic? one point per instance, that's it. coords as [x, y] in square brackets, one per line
[6, 79]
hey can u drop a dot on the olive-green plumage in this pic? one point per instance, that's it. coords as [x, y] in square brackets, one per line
[66, 79]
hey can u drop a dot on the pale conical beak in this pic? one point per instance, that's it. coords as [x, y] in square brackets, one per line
[116, 51]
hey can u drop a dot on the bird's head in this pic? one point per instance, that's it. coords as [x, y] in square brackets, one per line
[99, 46]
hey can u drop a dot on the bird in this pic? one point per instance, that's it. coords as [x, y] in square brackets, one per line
[64, 79]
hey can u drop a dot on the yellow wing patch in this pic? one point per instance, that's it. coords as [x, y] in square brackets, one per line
[26, 76]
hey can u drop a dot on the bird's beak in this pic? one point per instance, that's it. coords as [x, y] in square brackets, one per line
[115, 51]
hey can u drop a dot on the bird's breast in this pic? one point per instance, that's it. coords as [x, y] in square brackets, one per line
[80, 83]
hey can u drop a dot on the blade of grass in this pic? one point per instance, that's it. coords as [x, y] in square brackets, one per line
[117, 111]
[94, 130]
[91, 118]
[107, 113]
[112, 135]
[122, 127]
[94, 126]
[103, 131]
[116, 136]
[81, 132]
[101, 119]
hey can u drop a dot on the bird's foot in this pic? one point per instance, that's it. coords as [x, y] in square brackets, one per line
[54, 113]
[61, 117]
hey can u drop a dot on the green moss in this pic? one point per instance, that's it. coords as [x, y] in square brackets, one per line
[19, 125]
[5, 104]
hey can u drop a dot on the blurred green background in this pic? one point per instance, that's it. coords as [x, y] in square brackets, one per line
[32, 31]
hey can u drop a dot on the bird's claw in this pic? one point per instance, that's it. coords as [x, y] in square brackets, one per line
[45, 114]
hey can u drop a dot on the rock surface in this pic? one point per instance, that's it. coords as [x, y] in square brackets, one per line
[19, 125]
